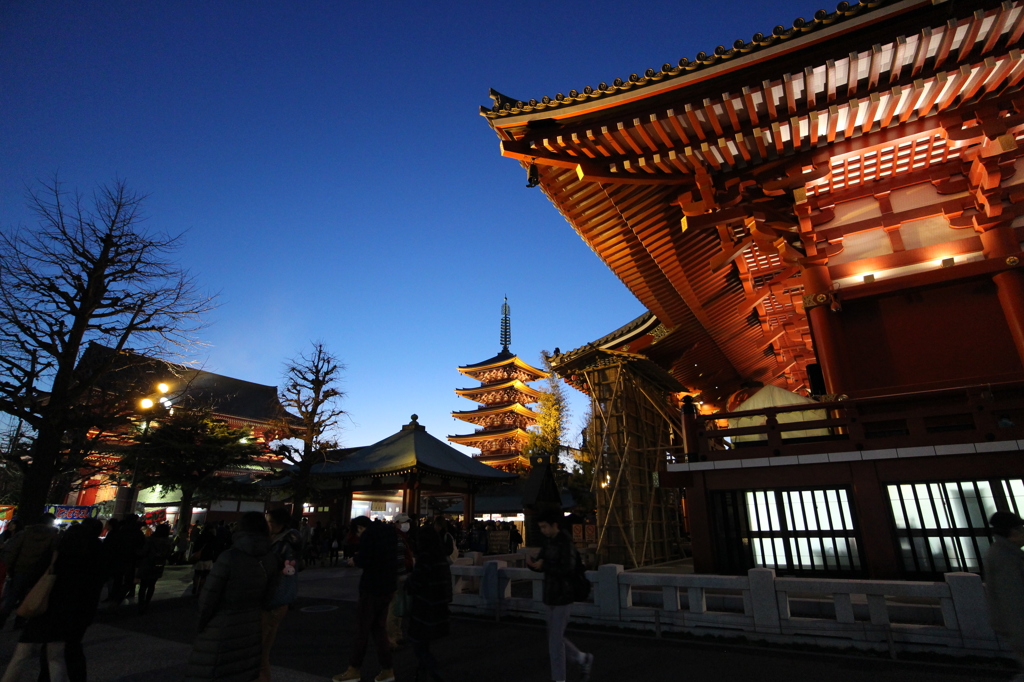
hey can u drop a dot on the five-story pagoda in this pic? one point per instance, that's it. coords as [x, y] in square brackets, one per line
[503, 395]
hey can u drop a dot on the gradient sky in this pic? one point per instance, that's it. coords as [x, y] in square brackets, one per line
[332, 173]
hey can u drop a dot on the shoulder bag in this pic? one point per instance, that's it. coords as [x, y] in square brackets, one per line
[37, 600]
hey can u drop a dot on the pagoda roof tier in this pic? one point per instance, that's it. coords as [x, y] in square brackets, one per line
[755, 145]
[471, 440]
[514, 390]
[473, 416]
[526, 372]
[499, 461]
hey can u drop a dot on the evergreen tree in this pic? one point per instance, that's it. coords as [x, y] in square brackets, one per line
[185, 452]
[552, 417]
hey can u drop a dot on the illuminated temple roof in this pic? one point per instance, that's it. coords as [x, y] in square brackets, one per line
[686, 181]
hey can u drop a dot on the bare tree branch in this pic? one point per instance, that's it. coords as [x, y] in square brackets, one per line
[87, 272]
[312, 392]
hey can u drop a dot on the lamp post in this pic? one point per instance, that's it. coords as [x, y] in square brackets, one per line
[127, 506]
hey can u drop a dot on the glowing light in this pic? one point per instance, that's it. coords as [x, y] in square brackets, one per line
[163, 388]
[146, 403]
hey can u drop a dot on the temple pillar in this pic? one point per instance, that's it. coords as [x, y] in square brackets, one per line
[345, 510]
[825, 326]
[1000, 243]
[699, 519]
[879, 543]
[468, 511]
[691, 444]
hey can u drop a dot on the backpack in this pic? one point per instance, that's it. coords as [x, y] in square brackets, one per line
[578, 581]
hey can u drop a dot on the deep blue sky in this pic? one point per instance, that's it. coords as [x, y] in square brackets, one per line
[334, 178]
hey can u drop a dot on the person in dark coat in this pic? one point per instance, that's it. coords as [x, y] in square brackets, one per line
[154, 556]
[1004, 582]
[228, 647]
[378, 547]
[204, 552]
[557, 561]
[81, 567]
[431, 588]
[126, 544]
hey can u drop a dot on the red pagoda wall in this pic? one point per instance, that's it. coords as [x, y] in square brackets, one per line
[952, 334]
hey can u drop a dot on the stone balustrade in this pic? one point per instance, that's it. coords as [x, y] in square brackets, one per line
[947, 617]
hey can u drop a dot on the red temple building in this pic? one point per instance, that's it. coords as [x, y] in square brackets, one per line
[503, 414]
[834, 209]
[142, 391]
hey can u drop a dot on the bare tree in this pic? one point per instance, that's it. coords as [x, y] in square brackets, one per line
[86, 272]
[311, 391]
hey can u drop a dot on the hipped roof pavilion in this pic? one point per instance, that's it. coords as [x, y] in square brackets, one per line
[412, 461]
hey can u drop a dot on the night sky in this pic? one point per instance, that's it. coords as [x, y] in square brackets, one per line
[331, 171]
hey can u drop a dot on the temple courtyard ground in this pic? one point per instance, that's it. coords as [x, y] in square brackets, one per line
[314, 642]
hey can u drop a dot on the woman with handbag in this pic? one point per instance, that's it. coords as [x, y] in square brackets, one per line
[62, 605]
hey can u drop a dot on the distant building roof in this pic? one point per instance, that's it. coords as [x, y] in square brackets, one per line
[224, 395]
[412, 448]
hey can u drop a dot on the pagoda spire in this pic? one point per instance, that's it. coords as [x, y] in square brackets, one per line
[506, 326]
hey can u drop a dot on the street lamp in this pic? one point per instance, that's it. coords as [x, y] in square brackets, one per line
[145, 404]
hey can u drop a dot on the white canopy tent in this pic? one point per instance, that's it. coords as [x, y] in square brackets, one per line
[773, 396]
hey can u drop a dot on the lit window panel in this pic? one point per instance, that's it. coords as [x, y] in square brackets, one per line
[802, 531]
[943, 526]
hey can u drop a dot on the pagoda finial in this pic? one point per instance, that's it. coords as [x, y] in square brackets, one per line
[506, 326]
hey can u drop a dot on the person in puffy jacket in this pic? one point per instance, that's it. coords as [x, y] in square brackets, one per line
[286, 545]
[229, 645]
[557, 561]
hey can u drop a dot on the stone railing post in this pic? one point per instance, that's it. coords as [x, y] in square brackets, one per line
[606, 592]
[494, 587]
[968, 595]
[763, 600]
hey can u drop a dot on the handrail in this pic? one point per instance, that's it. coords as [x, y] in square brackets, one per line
[934, 417]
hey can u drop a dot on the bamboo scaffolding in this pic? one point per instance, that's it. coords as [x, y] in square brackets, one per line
[634, 428]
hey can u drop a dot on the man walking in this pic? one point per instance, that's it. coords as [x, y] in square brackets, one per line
[287, 547]
[1004, 582]
[378, 548]
[557, 561]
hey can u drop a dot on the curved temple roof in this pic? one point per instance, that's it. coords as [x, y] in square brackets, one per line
[509, 106]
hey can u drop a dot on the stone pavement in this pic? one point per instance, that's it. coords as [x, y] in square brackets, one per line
[314, 644]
